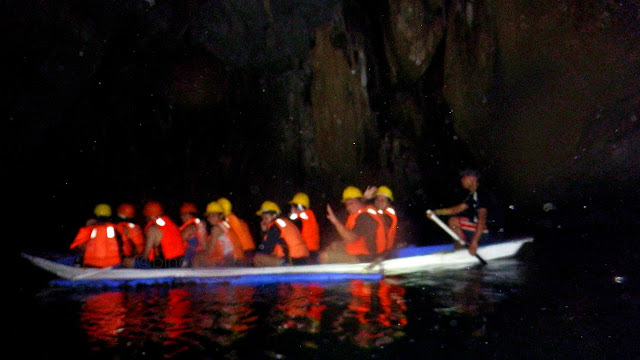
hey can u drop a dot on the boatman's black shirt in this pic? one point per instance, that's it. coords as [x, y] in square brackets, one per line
[480, 199]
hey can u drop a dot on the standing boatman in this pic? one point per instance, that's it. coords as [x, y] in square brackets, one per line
[469, 218]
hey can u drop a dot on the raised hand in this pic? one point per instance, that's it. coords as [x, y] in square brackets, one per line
[331, 215]
[370, 192]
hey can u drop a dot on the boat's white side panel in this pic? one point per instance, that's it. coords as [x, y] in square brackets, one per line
[452, 259]
[63, 271]
[124, 274]
[447, 259]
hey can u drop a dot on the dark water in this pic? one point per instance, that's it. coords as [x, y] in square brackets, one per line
[545, 304]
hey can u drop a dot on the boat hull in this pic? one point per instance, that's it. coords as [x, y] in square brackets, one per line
[412, 260]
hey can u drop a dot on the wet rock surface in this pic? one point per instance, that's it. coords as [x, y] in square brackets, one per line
[261, 99]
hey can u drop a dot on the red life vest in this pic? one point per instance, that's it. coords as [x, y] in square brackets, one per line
[291, 235]
[103, 247]
[242, 230]
[359, 246]
[391, 232]
[310, 230]
[132, 238]
[201, 231]
[83, 235]
[171, 245]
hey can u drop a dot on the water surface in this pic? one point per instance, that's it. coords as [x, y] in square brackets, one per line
[540, 305]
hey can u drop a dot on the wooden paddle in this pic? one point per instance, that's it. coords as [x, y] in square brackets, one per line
[431, 215]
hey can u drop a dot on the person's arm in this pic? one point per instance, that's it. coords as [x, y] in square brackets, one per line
[189, 232]
[152, 240]
[346, 234]
[453, 210]
[482, 223]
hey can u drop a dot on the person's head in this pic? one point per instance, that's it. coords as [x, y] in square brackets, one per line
[188, 211]
[214, 213]
[126, 211]
[299, 202]
[269, 211]
[469, 178]
[152, 210]
[226, 205]
[383, 198]
[102, 212]
[352, 199]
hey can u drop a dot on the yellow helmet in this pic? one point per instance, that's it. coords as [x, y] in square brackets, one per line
[268, 206]
[226, 205]
[214, 207]
[385, 191]
[351, 192]
[102, 210]
[300, 199]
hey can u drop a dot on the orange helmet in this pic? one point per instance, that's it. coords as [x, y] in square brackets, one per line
[152, 209]
[126, 211]
[188, 208]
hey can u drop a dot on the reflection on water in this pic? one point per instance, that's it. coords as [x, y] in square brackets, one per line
[102, 316]
[298, 307]
[182, 319]
[358, 318]
[375, 315]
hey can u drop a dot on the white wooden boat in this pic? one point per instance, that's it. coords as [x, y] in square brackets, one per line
[410, 260]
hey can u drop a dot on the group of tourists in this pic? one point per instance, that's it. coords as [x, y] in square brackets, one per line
[221, 238]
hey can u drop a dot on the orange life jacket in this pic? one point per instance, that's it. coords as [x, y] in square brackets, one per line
[201, 231]
[217, 255]
[171, 245]
[310, 230]
[291, 235]
[241, 228]
[391, 232]
[103, 247]
[132, 238]
[359, 246]
[83, 235]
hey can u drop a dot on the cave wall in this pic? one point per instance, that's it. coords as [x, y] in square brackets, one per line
[341, 112]
[545, 95]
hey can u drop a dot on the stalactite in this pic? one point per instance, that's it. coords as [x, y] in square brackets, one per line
[341, 113]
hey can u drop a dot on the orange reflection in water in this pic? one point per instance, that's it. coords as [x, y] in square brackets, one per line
[102, 316]
[375, 314]
[299, 307]
[177, 319]
[226, 313]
